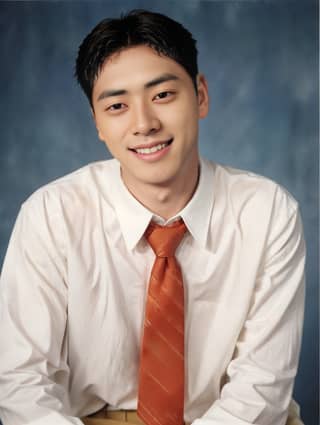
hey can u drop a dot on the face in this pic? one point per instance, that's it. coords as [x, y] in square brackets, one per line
[146, 111]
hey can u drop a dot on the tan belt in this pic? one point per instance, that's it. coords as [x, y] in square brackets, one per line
[113, 417]
[125, 416]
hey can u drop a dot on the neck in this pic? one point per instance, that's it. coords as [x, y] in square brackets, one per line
[166, 200]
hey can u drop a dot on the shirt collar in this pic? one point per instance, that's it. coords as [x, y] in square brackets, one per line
[197, 213]
[134, 218]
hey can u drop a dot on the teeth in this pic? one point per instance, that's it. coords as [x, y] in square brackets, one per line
[153, 149]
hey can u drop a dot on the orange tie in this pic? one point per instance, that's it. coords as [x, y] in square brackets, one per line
[161, 377]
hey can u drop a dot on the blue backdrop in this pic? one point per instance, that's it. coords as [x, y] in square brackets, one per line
[260, 58]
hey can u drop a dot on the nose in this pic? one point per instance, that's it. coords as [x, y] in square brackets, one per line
[145, 121]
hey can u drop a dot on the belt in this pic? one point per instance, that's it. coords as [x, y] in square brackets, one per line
[114, 417]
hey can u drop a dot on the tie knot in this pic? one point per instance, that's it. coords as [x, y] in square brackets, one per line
[164, 240]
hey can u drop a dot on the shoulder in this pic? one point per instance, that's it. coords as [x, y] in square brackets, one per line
[249, 194]
[72, 197]
[78, 186]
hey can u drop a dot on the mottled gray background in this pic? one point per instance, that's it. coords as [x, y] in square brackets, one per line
[261, 61]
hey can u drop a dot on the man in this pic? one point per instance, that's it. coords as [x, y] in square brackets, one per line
[214, 337]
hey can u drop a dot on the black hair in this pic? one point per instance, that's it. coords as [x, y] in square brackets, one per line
[138, 27]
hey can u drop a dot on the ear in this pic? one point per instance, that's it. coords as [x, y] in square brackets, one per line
[95, 122]
[203, 96]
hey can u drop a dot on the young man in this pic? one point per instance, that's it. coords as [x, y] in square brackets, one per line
[214, 337]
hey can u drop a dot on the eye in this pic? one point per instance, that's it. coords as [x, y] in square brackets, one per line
[164, 95]
[116, 107]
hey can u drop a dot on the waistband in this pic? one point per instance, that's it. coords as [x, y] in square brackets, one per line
[113, 417]
[119, 415]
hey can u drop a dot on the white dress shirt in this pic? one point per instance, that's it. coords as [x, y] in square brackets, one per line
[73, 290]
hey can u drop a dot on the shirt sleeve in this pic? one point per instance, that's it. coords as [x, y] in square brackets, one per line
[33, 312]
[260, 376]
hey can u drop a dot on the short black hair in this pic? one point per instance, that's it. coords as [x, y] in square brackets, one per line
[138, 27]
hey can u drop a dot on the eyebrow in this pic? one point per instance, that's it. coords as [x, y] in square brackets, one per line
[152, 83]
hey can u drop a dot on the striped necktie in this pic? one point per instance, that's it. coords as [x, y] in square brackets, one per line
[161, 377]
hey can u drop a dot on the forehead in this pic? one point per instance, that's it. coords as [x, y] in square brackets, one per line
[134, 67]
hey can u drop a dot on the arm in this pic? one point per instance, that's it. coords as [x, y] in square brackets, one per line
[261, 375]
[33, 302]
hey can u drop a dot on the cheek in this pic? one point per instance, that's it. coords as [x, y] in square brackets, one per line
[185, 121]
[180, 114]
[112, 131]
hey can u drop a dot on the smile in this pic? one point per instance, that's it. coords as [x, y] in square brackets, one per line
[153, 149]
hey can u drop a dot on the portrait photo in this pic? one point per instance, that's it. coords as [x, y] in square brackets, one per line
[159, 209]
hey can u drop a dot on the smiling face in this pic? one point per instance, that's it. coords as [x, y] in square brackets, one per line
[146, 111]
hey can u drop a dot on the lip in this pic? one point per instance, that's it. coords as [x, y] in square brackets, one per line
[151, 145]
[155, 156]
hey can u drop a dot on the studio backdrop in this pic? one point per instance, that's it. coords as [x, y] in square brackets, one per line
[260, 59]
